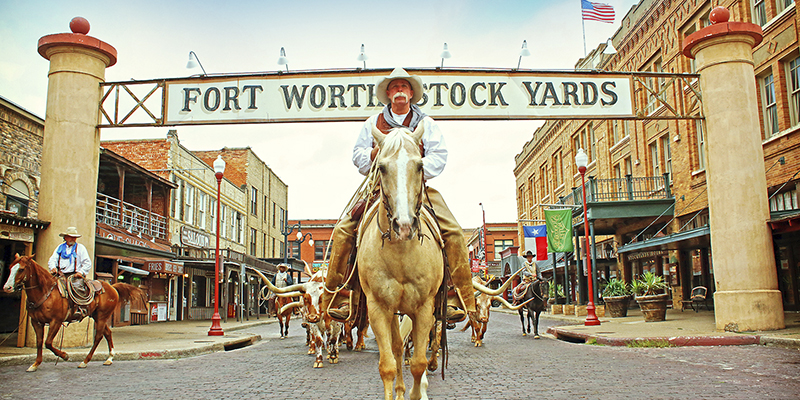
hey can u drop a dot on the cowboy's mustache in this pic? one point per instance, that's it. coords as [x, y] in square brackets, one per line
[400, 94]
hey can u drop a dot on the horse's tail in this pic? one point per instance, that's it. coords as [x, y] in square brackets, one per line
[129, 292]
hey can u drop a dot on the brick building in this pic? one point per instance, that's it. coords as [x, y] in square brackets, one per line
[192, 220]
[646, 178]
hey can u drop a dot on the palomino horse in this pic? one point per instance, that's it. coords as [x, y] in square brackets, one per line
[400, 263]
[47, 307]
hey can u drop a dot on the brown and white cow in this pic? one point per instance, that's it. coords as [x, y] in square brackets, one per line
[324, 332]
[480, 320]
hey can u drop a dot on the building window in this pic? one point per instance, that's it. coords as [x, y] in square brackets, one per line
[283, 213]
[176, 198]
[17, 205]
[254, 201]
[759, 12]
[628, 166]
[544, 187]
[199, 291]
[273, 247]
[654, 159]
[189, 210]
[253, 237]
[500, 245]
[274, 206]
[590, 145]
[793, 81]
[667, 154]
[223, 228]
[783, 201]
[266, 209]
[294, 249]
[770, 108]
[781, 5]
[264, 249]
[656, 85]
[201, 209]
[319, 250]
[701, 144]
[557, 170]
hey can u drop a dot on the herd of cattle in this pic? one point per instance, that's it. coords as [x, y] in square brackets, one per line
[324, 334]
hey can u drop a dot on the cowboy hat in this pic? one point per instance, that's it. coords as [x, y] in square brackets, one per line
[283, 266]
[528, 253]
[71, 231]
[399, 73]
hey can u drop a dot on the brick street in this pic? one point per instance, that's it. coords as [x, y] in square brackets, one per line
[509, 366]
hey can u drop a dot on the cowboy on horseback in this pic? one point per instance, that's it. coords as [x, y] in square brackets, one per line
[71, 260]
[400, 92]
[530, 274]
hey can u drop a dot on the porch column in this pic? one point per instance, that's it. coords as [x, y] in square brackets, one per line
[747, 296]
[70, 153]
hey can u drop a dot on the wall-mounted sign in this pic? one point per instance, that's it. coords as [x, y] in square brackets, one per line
[164, 267]
[343, 96]
[193, 237]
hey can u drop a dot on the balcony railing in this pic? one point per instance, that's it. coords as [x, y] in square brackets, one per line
[115, 212]
[620, 189]
[207, 254]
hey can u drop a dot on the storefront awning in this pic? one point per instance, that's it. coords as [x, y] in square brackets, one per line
[692, 239]
[133, 270]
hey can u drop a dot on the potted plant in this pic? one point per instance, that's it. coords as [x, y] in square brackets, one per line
[556, 294]
[616, 296]
[648, 290]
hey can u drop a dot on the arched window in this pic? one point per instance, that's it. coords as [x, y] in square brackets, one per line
[18, 198]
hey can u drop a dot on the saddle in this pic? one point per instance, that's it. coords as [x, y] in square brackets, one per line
[519, 292]
[79, 291]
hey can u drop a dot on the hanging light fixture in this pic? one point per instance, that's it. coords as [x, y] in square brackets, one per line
[282, 60]
[609, 47]
[523, 53]
[362, 56]
[194, 62]
[445, 54]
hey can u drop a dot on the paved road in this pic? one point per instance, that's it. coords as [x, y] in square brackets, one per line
[509, 366]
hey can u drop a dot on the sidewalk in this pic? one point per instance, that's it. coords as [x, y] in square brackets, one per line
[687, 328]
[176, 339]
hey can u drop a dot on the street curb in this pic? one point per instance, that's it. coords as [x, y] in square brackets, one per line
[78, 355]
[678, 341]
[786, 343]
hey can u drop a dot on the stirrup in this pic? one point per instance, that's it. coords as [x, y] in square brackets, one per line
[337, 313]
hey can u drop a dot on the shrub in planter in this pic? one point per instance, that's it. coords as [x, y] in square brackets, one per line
[616, 296]
[648, 290]
[556, 294]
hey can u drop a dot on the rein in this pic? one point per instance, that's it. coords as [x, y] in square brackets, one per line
[31, 306]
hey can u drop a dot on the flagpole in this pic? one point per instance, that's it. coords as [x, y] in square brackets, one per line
[583, 28]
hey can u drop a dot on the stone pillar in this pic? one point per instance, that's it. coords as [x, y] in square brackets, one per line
[70, 155]
[747, 296]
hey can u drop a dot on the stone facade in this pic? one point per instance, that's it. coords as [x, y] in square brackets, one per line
[22, 134]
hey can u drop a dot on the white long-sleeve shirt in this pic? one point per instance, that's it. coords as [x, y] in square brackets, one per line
[81, 263]
[433, 161]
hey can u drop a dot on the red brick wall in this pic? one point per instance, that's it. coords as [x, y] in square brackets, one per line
[149, 154]
[235, 163]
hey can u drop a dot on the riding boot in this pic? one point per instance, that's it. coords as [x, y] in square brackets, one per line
[343, 241]
[457, 258]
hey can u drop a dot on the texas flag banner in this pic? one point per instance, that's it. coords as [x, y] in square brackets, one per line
[536, 238]
[597, 12]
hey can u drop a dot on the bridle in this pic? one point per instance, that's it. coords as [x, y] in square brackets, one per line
[26, 279]
[385, 199]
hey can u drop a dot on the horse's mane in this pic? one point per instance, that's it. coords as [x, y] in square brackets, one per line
[395, 139]
[38, 272]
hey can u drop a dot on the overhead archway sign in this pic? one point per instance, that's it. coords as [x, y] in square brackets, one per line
[350, 96]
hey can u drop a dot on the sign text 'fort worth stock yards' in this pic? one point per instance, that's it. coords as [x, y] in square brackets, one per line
[351, 97]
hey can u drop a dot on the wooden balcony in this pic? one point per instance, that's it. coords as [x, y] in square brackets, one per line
[118, 213]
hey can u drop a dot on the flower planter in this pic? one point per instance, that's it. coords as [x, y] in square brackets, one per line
[600, 311]
[569, 309]
[556, 309]
[580, 311]
[654, 307]
[617, 305]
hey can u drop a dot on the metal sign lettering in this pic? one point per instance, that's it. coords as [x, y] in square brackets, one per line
[337, 97]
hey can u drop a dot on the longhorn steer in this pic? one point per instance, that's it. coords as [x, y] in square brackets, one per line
[480, 320]
[324, 332]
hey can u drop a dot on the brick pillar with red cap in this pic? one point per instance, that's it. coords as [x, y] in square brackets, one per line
[747, 296]
[70, 153]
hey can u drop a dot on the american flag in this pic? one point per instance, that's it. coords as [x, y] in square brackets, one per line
[597, 12]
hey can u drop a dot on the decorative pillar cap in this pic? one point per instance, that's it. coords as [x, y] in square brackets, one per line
[80, 28]
[721, 27]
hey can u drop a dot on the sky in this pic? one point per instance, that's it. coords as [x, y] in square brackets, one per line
[153, 40]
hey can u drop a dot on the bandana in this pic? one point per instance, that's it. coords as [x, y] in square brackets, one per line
[416, 116]
[66, 252]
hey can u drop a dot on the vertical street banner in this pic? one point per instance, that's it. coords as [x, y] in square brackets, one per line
[536, 240]
[559, 230]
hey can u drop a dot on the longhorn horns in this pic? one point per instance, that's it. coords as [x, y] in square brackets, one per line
[495, 292]
[291, 288]
[509, 306]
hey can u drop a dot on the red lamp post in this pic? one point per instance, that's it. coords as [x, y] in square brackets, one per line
[216, 329]
[581, 160]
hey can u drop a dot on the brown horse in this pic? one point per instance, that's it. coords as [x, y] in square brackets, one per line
[283, 313]
[46, 306]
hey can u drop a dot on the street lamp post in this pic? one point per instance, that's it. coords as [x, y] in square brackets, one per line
[288, 230]
[216, 329]
[581, 160]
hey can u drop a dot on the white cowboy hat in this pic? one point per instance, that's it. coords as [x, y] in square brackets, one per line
[71, 231]
[283, 266]
[399, 73]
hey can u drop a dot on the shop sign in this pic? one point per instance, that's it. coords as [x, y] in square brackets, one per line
[193, 237]
[343, 96]
[163, 267]
[122, 238]
[647, 254]
[17, 233]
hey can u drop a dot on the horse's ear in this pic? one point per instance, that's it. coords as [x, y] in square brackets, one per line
[378, 136]
[417, 134]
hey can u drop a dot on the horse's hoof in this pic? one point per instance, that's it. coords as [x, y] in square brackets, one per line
[108, 362]
[33, 368]
[524, 334]
[318, 364]
[536, 336]
[334, 361]
[82, 365]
